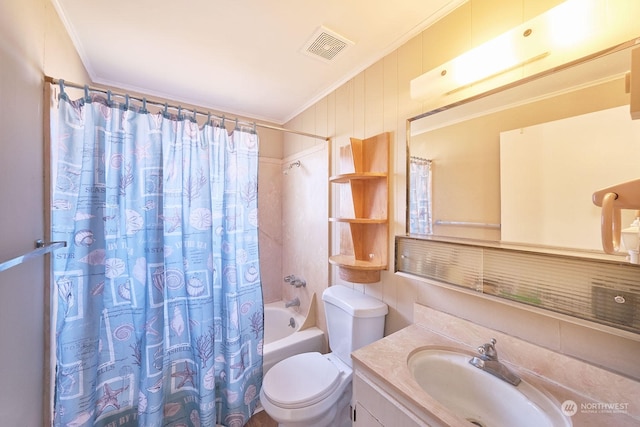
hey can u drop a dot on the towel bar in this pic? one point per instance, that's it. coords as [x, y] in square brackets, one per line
[41, 249]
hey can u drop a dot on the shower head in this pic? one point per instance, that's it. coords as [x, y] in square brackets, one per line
[291, 165]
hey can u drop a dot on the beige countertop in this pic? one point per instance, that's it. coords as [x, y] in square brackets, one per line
[385, 362]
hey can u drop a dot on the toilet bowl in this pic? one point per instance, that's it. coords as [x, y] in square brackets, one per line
[313, 389]
[308, 390]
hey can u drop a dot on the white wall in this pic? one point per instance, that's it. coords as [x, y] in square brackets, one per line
[32, 43]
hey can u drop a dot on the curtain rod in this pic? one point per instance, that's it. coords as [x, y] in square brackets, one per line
[56, 81]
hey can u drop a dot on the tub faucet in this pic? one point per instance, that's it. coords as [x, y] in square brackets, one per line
[293, 303]
[487, 360]
[295, 281]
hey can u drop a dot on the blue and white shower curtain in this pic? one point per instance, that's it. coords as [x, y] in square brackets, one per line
[157, 300]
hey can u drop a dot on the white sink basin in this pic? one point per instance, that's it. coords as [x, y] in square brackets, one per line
[480, 397]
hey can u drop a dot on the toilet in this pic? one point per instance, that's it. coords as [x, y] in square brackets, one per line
[313, 389]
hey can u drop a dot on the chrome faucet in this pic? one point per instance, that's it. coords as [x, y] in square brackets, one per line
[293, 303]
[295, 281]
[488, 362]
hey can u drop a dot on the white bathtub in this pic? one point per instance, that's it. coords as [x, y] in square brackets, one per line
[281, 340]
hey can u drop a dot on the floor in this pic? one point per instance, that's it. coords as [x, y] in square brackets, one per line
[261, 419]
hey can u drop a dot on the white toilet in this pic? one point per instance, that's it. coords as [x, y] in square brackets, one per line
[313, 389]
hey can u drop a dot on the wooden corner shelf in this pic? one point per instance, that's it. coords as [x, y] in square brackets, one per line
[347, 178]
[365, 232]
[360, 220]
[353, 270]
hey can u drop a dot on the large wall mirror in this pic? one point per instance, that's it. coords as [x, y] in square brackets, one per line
[520, 164]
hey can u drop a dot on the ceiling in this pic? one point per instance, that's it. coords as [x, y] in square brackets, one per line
[243, 57]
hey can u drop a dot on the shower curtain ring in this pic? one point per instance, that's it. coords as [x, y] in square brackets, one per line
[87, 98]
[62, 94]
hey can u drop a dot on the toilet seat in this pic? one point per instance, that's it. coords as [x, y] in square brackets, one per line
[301, 380]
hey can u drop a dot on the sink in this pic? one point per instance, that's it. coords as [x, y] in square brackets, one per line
[478, 396]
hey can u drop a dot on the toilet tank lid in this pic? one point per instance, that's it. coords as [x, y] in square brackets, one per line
[354, 302]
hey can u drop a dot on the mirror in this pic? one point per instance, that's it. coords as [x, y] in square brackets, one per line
[519, 164]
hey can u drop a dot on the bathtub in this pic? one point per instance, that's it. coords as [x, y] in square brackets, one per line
[281, 340]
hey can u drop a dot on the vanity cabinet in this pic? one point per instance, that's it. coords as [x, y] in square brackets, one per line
[375, 407]
[361, 209]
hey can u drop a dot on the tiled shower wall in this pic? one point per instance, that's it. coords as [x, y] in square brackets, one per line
[270, 224]
[305, 226]
[293, 223]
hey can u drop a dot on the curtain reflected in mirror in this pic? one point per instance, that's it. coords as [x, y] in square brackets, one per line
[420, 221]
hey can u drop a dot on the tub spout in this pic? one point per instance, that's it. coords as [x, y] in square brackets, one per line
[293, 303]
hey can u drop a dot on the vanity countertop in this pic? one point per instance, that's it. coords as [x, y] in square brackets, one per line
[385, 362]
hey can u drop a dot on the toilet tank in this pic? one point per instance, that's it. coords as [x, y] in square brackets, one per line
[353, 320]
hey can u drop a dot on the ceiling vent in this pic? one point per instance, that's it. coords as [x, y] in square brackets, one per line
[325, 44]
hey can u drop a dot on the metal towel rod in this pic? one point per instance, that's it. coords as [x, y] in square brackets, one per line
[41, 249]
[467, 224]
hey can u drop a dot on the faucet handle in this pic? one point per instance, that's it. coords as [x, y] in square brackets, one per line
[488, 350]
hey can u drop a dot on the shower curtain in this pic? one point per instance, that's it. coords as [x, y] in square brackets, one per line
[157, 300]
[420, 217]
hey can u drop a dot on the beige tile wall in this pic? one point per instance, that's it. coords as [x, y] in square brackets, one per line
[377, 100]
[270, 227]
[305, 228]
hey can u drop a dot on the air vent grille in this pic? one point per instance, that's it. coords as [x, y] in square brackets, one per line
[325, 44]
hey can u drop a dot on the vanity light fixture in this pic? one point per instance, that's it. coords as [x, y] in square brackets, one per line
[567, 32]
[495, 57]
